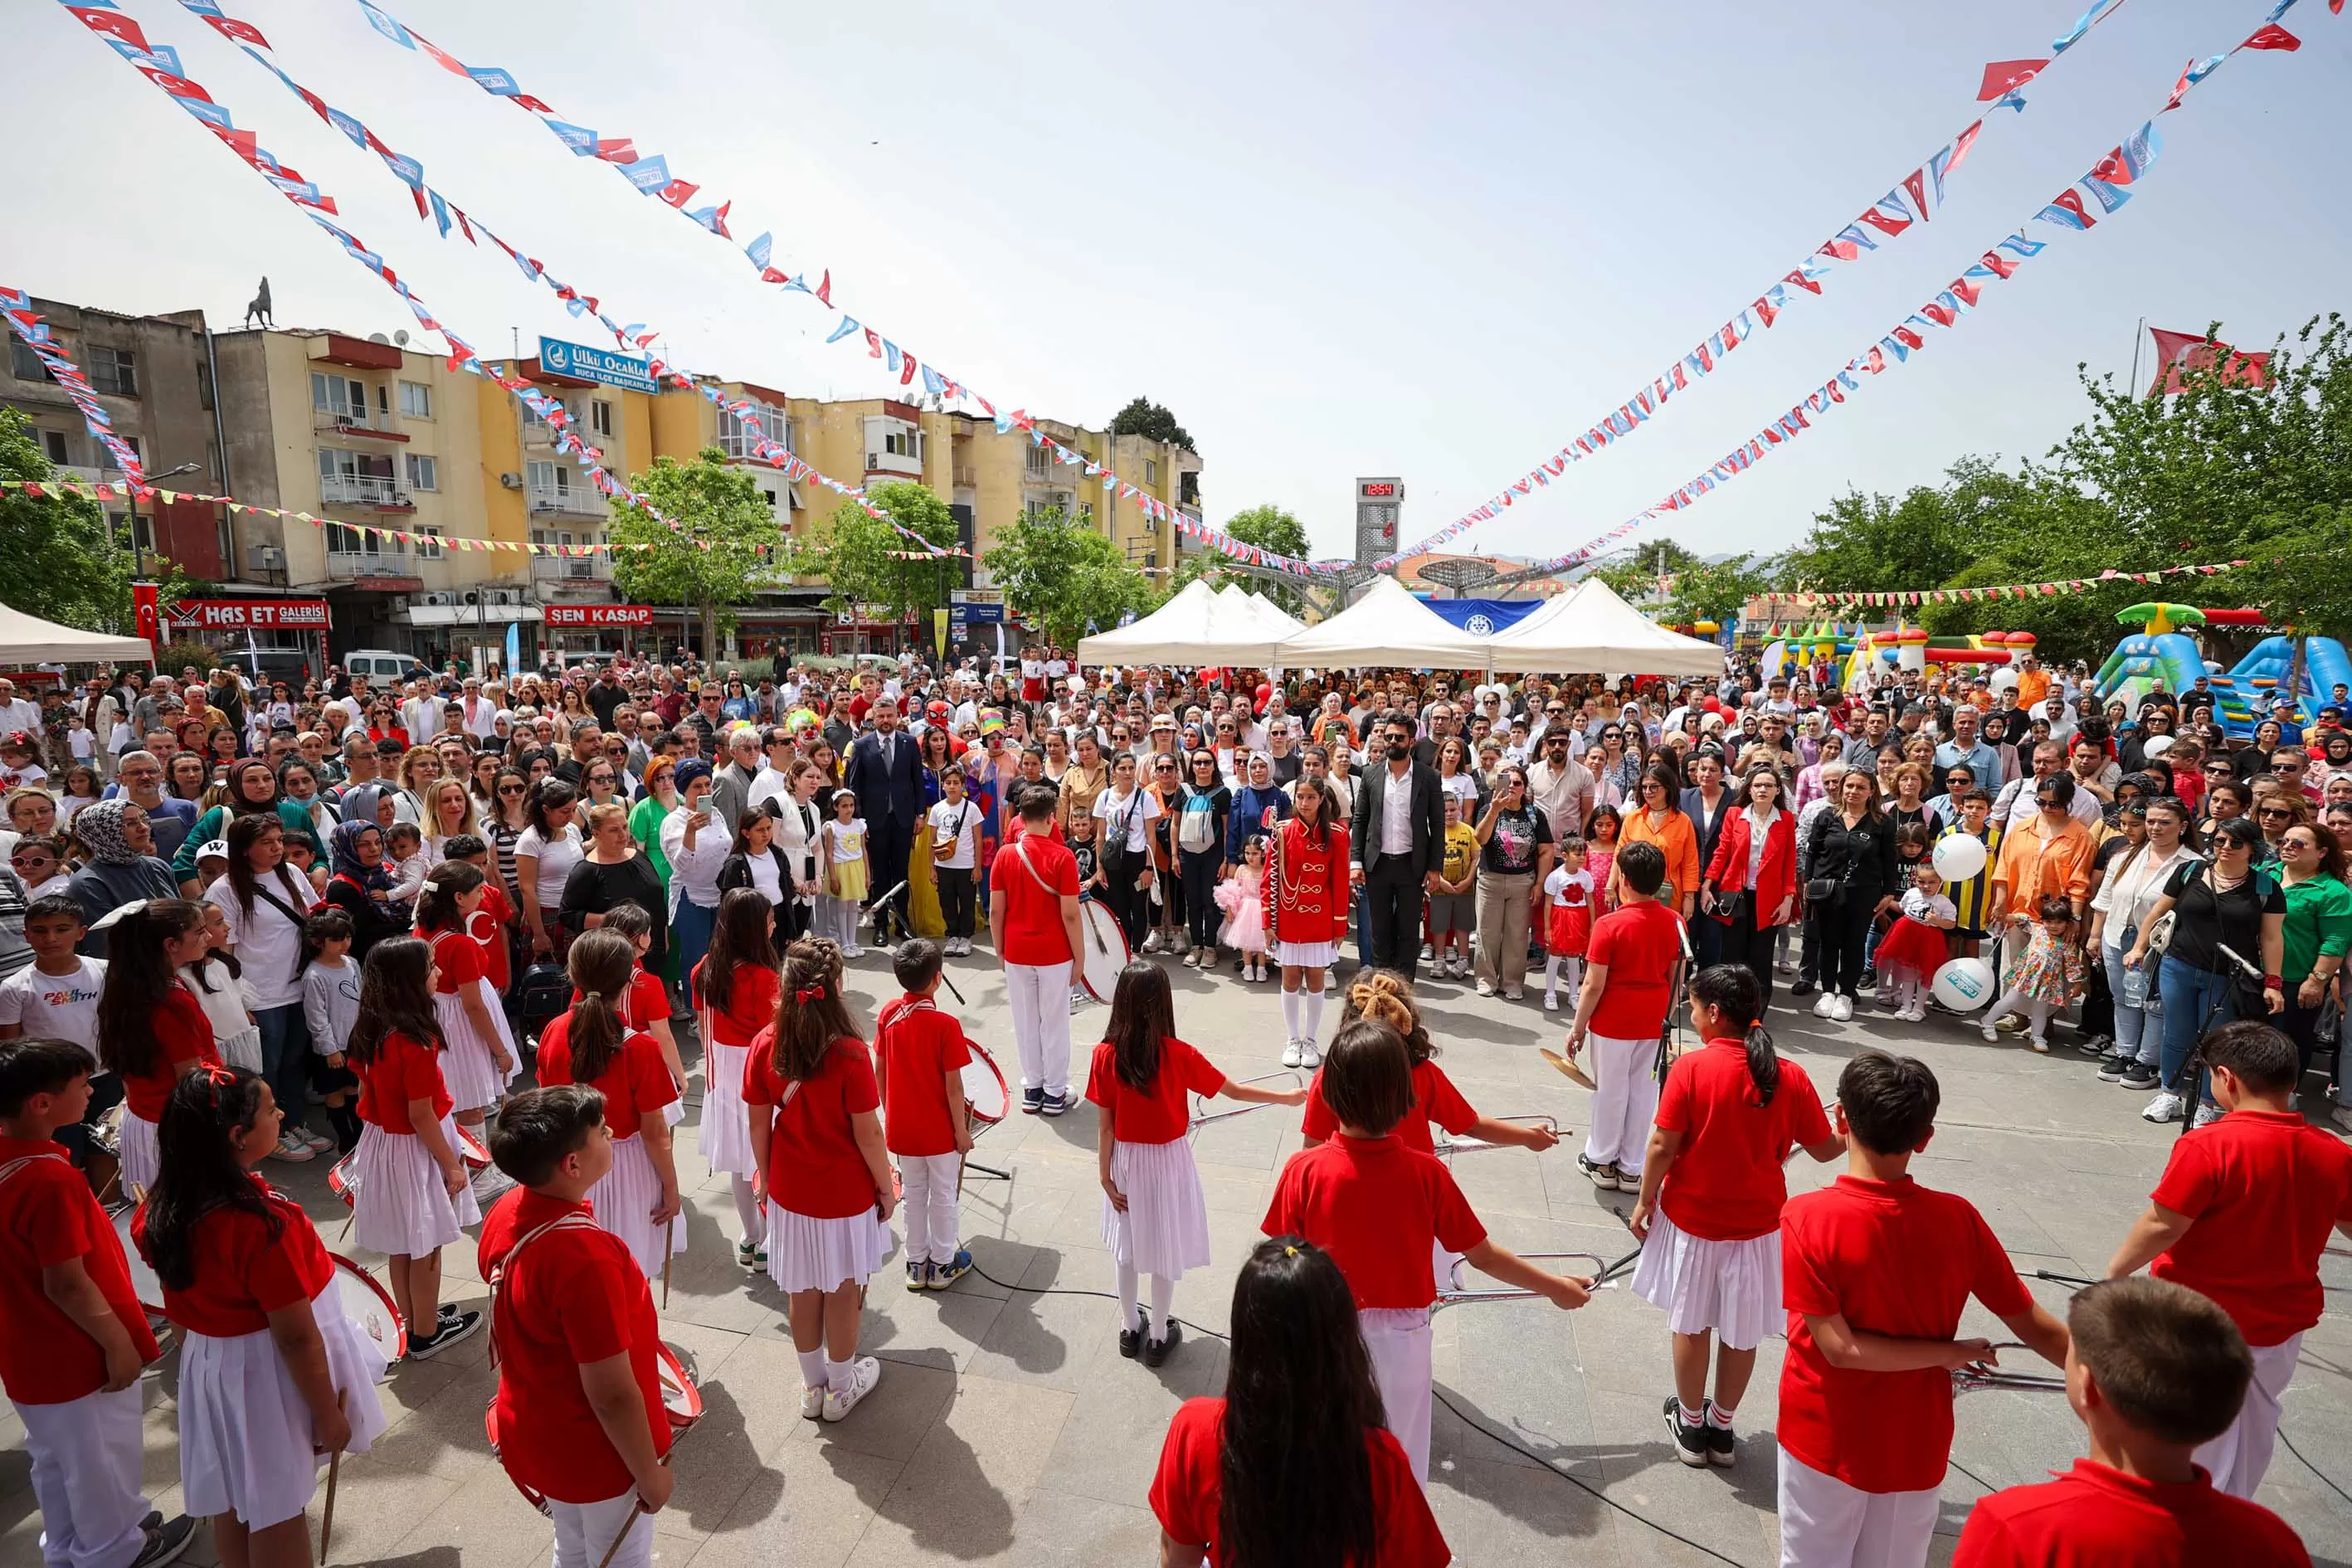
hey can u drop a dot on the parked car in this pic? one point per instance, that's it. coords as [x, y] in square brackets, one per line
[382, 664]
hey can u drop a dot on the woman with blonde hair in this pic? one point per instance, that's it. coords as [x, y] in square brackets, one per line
[420, 767]
[448, 811]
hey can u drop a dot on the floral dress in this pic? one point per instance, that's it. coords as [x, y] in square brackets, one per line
[2051, 970]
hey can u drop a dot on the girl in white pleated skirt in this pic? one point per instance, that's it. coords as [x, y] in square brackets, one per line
[410, 1195]
[479, 1057]
[273, 1375]
[1155, 1220]
[645, 1004]
[734, 990]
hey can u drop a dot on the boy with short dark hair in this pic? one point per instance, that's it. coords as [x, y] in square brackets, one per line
[1876, 1271]
[1629, 966]
[55, 997]
[2241, 1215]
[919, 1063]
[2153, 1370]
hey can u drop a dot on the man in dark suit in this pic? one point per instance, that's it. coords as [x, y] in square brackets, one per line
[1396, 838]
[886, 772]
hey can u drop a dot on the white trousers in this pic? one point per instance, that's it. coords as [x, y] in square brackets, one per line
[929, 1205]
[1399, 1341]
[584, 1531]
[1040, 994]
[85, 1455]
[1626, 1102]
[2237, 1459]
[1825, 1523]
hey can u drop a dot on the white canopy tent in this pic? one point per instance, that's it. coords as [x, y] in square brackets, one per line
[1386, 625]
[1198, 626]
[28, 639]
[1263, 610]
[1588, 630]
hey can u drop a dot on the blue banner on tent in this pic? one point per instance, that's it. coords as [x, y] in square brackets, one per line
[1484, 617]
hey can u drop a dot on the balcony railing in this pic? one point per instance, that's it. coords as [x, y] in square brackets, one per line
[355, 421]
[379, 564]
[357, 490]
[572, 569]
[564, 501]
[894, 463]
[966, 477]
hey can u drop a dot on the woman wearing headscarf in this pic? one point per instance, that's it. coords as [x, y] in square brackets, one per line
[252, 791]
[119, 865]
[362, 882]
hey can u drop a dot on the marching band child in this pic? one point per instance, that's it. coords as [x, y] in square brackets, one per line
[76, 1336]
[151, 1027]
[843, 873]
[1567, 892]
[579, 1405]
[919, 1053]
[2047, 977]
[2241, 1215]
[645, 1004]
[1385, 995]
[1708, 1216]
[274, 1376]
[1380, 1210]
[1621, 1007]
[2152, 1370]
[734, 990]
[1033, 913]
[1242, 897]
[330, 1007]
[1915, 946]
[1295, 1463]
[1874, 1272]
[1155, 1220]
[477, 1058]
[410, 1195]
[494, 917]
[808, 1087]
[637, 1199]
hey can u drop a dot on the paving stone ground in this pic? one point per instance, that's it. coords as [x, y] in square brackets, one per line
[1007, 1429]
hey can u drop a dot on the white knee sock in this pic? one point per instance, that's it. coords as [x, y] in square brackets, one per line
[813, 1369]
[1163, 1302]
[1290, 1013]
[1126, 1298]
[747, 1210]
[1313, 1031]
[1551, 975]
[838, 1375]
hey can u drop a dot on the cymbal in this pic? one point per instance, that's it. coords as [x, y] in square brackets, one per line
[1574, 1073]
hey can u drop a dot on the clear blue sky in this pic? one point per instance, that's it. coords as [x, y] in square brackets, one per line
[1337, 240]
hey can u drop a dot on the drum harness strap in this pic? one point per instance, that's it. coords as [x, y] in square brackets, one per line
[575, 1220]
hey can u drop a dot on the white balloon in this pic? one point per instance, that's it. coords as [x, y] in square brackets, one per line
[2003, 679]
[1964, 984]
[1959, 857]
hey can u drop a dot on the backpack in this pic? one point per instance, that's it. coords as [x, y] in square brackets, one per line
[1198, 831]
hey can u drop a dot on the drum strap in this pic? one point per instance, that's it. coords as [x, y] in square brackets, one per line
[575, 1220]
[13, 1166]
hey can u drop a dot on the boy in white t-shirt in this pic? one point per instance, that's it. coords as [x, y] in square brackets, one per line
[955, 823]
[55, 997]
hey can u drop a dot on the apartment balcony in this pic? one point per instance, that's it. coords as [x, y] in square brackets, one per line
[564, 501]
[390, 571]
[572, 572]
[356, 422]
[375, 492]
[900, 464]
[966, 477]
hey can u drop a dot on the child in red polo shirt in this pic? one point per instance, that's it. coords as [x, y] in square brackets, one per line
[1385, 995]
[1317, 1475]
[76, 1335]
[151, 1027]
[2153, 1370]
[637, 1200]
[1874, 1272]
[1155, 1220]
[578, 1415]
[1380, 1209]
[919, 1059]
[645, 1006]
[1629, 966]
[2241, 1215]
[1032, 912]
[734, 993]
[1710, 1214]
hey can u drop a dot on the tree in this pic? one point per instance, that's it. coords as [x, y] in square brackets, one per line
[1635, 576]
[1146, 419]
[1712, 590]
[57, 558]
[1922, 540]
[1268, 528]
[1065, 576]
[863, 559]
[722, 549]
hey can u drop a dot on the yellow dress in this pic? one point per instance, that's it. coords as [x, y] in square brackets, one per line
[848, 879]
[923, 912]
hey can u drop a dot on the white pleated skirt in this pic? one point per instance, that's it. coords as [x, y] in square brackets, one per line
[1731, 1288]
[245, 1431]
[725, 1135]
[137, 1151]
[809, 1254]
[1165, 1227]
[242, 1049]
[468, 1065]
[1307, 954]
[624, 1203]
[399, 1203]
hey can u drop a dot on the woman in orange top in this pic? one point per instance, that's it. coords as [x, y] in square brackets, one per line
[2048, 856]
[1657, 818]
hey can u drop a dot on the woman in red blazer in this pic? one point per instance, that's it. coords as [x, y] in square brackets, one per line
[1306, 905]
[1751, 884]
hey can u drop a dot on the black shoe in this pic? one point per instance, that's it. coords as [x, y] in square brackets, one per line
[1802, 988]
[2118, 1063]
[1131, 1340]
[1869, 980]
[2096, 1045]
[1690, 1441]
[2139, 1075]
[165, 1542]
[1031, 1101]
[1053, 1104]
[1156, 1351]
[447, 1332]
[1722, 1449]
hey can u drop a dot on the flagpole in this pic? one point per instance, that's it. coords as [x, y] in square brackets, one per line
[2137, 333]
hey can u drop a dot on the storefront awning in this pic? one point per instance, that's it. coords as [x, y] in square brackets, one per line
[468, 614]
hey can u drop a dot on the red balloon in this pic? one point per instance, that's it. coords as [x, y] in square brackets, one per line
[1265, 690]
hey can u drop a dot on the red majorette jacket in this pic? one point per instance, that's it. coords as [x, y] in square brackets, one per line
[1306, 894]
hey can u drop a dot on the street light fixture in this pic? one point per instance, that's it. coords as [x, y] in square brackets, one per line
[139, 556]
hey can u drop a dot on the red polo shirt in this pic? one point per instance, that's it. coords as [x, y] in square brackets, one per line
[2265, 1188]
[1158, 1114]
[2094, 1517]
[242, 1273]
[1435, 1098]
[48, 1216]
[1035, 875]
[1376, 1206]
[920, 1045]
[814, 1166]
[1728, 1184]
[634, 1082]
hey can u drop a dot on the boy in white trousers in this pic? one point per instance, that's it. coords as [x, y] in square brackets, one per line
[1033, 913]
[919, 1059]
[1629, 966]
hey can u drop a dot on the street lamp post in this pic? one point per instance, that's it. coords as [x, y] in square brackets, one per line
[139, 556]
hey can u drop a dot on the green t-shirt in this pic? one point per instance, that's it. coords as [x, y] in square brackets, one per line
[2318, 921]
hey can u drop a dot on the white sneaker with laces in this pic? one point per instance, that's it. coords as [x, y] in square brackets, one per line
[1290, 1055]
[1827, 1006]
[291, 1149]
[1485, 987]
[864, 1373]
[2164, 1107]
[1551, 1001]
[1151, 942]
[2206, 1115]
[1310, 1055]
[1844, 1012]
[318, 1145]
[811, 1404]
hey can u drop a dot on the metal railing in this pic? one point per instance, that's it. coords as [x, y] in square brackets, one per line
[357, 490]
[566, 501]
[571, 569]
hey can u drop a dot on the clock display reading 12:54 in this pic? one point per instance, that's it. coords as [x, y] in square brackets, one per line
[1372, 490]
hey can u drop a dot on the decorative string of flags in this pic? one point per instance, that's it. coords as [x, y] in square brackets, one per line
[1899, 597]
[651, 176]
[16, 305]
[2106, 184]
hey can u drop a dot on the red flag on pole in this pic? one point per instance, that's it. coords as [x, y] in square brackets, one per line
[2178, 352]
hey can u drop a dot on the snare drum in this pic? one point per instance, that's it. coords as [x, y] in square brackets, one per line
[144, 1286]
[367, 1303]
[985, 1098]
[681, 1399]
[1106, 951]
[341, 1183]
[476, 1158]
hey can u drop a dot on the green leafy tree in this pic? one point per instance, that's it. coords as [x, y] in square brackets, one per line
[1066, 576]
[1712, 590]
[1146, 419]
[724, 546]
[1634, 575]
[1268, 527]
[58, 559]
[861, 557]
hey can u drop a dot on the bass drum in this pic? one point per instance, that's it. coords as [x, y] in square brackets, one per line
[143, 1283]
[1106, 951]
[367, 1303]
[985, 1098]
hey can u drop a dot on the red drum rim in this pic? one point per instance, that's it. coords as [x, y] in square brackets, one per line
[993, 1079]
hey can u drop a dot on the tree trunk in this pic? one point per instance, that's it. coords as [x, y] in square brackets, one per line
[709, 631]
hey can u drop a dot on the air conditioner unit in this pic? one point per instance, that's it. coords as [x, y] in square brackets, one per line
[873, 461]
[440, 598]
[510, 481]
[580, 569]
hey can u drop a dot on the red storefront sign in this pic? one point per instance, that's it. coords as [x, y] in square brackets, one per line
[600, 615]
[251, 615]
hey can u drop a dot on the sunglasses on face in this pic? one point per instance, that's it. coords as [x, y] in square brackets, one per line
[2273, 812]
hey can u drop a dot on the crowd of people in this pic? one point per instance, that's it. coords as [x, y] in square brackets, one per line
[237, 913]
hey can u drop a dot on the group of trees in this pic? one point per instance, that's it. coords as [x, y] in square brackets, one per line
[59, 559]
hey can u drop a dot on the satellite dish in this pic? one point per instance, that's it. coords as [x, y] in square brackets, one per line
[379, 338]
[400, 339]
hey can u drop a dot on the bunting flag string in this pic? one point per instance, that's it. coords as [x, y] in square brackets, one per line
[448, 215]
[1900, 598]
[16, 305]
[2108, 182]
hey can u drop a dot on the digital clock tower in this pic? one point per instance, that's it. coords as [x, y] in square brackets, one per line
[1380, 503]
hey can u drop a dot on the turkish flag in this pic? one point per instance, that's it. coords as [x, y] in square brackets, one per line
[2273, 36]
[2178, 352]
[112, 23]
[2007, 76]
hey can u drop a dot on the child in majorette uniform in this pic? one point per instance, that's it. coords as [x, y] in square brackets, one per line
[1296, 1462]
[409, 1197]
[2153, 1370]
[1621, 1008]
[734, 990]
[809, 1088]
[1708, 1216]
[1916, 945]
[919, 1053]
[151, 1027]
[1380, 1210]
[2241, 1215]
[637, 1200]
[579, 1405]
[1568, 893]
[1385, 995]
[1874, 1272]
[76, 1336]
[1155, 1220]
[478, 1055]
[274, 1376]
[645, 1004]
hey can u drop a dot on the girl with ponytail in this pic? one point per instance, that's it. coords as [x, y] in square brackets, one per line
[1708, 1217]
[479, 1059]
[151, 1027]
[594, 1045]
[1385, 995]
[733, 994]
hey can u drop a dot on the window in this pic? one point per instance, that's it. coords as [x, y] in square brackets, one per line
[424, 473]
[105, 454]
[203, 385]
[741, 437]
[53, 443]
[1040, 461]
[143, 531]
[905, 443]
[339, 399]
[24, 364]
[600, 417]
[1150, 471]
[530, 418]
[415, 400]
[428, 547]
[114, 369]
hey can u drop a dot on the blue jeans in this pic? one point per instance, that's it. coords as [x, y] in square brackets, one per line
[2131, 1023]
[2194, 1002]
[690, 937]
[286, 1058]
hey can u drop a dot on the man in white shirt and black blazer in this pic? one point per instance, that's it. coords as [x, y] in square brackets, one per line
[1396, 838]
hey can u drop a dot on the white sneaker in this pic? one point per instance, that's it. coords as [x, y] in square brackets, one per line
[1551, 1001]
[1485, 987]
[2206, 1115]
[1915, 1013]
[2040, 1047]
[2164, 1107]
[291, 1149]
[1427, 953]
[811, 1404]
[1827, 1006]
[864, 1373]
[489, 1182]
[1515, 995]
[1182, 946]
[1991, 1034]
[1844, 1014]
[1151, 942]
[319, 1145]
[1290, 1055]
[1309, 1053]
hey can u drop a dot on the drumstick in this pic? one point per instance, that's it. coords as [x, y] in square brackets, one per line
[669, 1235]
[626, 1525]
[951, 989]
[334, 1473]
